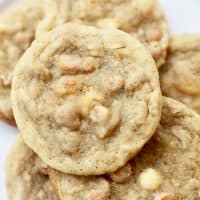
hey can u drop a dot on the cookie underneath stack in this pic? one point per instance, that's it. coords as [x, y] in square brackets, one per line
[87, 101]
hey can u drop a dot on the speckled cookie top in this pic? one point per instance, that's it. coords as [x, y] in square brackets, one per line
[167, 168]
[94, 98]
[17, 31]
[180, 77]
[26, 175]
[56, 12]
[141, 18]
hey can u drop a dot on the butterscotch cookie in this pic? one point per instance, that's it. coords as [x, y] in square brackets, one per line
[26, 175]
[17, 31]
[168, 167]
[141, 18]
[93, 98]
[180, 77]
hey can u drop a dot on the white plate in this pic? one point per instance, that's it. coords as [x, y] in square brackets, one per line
[183, 16]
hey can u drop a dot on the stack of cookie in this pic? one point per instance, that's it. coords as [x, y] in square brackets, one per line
[87, 101]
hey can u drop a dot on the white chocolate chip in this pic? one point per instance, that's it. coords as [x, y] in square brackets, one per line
[115, 118]
[74, 64]
[89, 100]
[150, 179]
[100, 114]
[122, 174]
[106, 120]
[68, 115]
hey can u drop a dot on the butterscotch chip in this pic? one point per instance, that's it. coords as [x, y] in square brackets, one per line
[167, 168]
[66, 86]
[74, 64]
[111, 124]
[180, 76]
[25, 175]
[68, 115]
[166, 196]
[122, 174]
[17, 31]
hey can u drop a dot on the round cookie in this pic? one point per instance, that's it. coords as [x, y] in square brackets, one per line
[167, 168]
[17, 31]
[180, 77]
[93, 98]
[141, 18]
[26, 175]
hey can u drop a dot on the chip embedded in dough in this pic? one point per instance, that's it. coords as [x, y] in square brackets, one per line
[141, 18]
[93, 98]
[26, 175]
[17, 31]
[180, 77]
[167, 168]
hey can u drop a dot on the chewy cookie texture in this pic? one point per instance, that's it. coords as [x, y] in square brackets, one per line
[86, 86]
[26, 175]
[180, 76]
[141, 18]
[167, 168]
[17, 31]
[87, 101]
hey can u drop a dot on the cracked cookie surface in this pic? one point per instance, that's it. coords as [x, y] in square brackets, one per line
[141, 18]
[93, 98]
[17, 31]
[180, 77]
[167, 168]
[26, 175]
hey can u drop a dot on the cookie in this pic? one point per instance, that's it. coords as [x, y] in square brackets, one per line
[180, 77]
[167, 168]
[26, 175]
[93, 98]
[141, 18]
[17, 31]
[56, 12]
